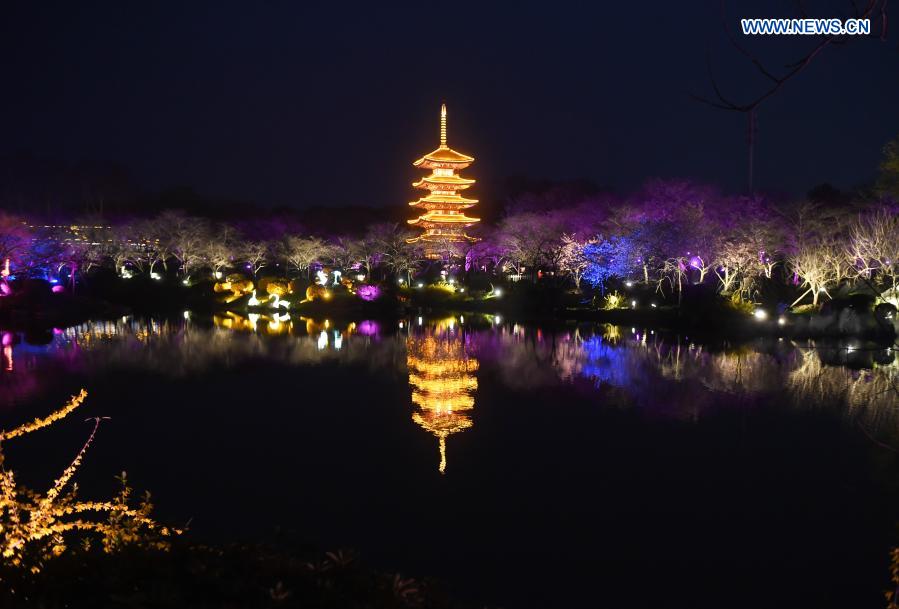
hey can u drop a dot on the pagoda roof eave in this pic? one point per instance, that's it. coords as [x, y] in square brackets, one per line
[454, 181]
[444, 200]
[441, 220]
[437, 238]
[441, 206]
[444, 154]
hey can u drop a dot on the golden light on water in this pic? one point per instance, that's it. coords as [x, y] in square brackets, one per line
[443, 382]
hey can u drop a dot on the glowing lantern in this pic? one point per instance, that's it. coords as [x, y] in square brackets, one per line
[277, 288]
[317, 292]
[368, 292]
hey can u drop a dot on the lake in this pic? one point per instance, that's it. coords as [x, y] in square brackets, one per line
[571, 465]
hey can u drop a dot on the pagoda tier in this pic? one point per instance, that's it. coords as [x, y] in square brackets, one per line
[436, 219]
[440, 200]
[450, 183]
[444, 157]
[443, 219]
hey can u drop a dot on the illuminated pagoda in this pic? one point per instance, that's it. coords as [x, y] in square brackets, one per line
[444, 220]
[441, 375]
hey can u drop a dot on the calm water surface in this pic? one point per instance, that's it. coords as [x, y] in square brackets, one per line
[527, 466]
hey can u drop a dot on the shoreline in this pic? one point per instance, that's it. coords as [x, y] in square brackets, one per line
[66, 310]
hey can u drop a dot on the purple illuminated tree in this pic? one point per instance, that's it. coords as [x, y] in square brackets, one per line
[15, 241]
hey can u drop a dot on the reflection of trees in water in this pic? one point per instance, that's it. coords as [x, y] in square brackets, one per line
[522, 359]
[670, 374]
[661, 373]
[442, 379]
[872, 395]
[646, 357]
[178, 348]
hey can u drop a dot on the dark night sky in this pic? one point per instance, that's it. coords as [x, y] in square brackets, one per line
[291, 103]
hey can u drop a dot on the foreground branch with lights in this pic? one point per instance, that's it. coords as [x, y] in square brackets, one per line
[34, 527]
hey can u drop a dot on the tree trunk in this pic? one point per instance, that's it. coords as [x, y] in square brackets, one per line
[751, 116]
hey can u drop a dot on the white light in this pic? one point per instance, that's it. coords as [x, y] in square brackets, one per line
[760, 314]
[402, 325]
[499, 319]
[461, 290]
[633, 304]
[781, 321]
[629, 284]
[322, 340]
[155, 275]
[497, 292]
[419, 320]
[187, 315]
[185, 281]
[420, 285]
[360, 277]
[461, 319]
[451, 281]
[253, 301]
[653, 305]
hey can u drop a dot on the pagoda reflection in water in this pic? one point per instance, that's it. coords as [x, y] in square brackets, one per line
[442, 379]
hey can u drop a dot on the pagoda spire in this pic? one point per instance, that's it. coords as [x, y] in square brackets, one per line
[442, 445]
[443, 125]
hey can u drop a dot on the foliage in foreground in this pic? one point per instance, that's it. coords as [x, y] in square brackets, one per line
[893, 595]
[246, 576]
[35, 528]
